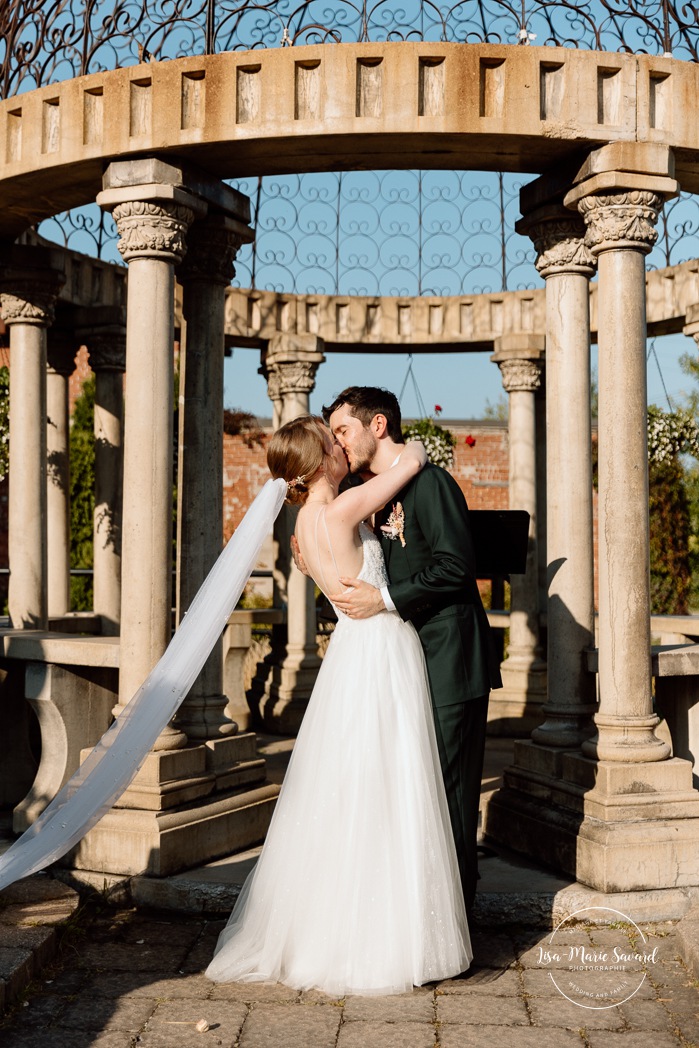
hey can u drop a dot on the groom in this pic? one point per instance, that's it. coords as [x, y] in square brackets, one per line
[428, 550]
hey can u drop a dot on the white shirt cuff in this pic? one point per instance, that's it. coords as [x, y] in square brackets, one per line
[390, 606]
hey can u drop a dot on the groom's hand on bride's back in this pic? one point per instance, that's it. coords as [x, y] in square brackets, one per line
[358, 600]
[298, 558]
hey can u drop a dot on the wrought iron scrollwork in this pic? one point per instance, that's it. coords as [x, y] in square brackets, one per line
[678, 232]
[44, 41]
[384, 233]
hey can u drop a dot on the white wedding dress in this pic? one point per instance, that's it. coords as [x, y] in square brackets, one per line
[357, 888]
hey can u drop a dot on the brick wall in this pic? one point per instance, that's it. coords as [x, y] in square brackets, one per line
[481, 470]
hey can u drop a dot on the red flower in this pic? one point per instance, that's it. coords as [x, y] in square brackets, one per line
[438, 409]
[471, 441]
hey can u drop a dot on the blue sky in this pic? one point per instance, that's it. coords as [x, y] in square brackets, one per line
[460, 383]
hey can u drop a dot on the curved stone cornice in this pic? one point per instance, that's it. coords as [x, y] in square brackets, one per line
[396, 104]
[520, 376]
[148, 230]
[621, 219]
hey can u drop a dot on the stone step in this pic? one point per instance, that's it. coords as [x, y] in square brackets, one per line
[32, 913]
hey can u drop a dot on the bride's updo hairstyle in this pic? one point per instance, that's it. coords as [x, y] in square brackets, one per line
[295, 453]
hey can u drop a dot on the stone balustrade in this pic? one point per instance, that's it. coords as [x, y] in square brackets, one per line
[459, 323]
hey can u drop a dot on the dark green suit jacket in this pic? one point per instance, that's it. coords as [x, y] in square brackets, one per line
[433, 584]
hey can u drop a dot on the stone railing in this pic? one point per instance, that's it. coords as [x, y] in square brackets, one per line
[460, 322]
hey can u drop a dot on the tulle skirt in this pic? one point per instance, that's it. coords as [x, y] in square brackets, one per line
[357, 888]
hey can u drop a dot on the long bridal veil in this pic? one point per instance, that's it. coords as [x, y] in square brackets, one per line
[112, 764]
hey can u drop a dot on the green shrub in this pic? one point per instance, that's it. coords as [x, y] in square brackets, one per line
[82, 495]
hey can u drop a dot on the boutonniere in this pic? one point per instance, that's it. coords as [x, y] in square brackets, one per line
[395, 525]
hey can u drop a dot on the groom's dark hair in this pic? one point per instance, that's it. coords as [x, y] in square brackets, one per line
[367, 401]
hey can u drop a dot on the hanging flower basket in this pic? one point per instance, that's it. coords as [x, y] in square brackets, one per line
[670, 434]
[439, 442]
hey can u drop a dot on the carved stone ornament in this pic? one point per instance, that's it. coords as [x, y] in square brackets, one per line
[30, 300]
[152, 230]
[274, 385]
[106, 349]
[61, 352]
[520, 376]
[561, 248]
[211, 251]
[623, 219]
[296, 377]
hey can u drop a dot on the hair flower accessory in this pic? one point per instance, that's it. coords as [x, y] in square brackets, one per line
[296, 482]
[394, 526]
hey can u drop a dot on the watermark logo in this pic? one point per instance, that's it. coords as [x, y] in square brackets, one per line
[597, 971]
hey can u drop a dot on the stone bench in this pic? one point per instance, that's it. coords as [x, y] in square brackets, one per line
[70, 680]
[71, 683]
[676, 673]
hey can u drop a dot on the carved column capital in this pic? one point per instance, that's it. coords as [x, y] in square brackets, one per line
[290, 364]
[623, 218]
[273, 380]
[558, 236]
[61, 348]
[298, 376]
[29, 297]
[106, 347]
[212, 246]
[152, 230]
[520, 376]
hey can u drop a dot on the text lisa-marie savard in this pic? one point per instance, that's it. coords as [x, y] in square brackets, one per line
[583, 956]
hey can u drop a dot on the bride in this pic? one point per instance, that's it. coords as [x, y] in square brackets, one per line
[357, 887]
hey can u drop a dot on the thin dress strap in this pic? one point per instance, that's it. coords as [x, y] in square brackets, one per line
[321, 513]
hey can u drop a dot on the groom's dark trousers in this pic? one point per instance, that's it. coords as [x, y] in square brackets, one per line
[433, 585]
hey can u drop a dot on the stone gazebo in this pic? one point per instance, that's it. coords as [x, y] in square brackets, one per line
[595, 790]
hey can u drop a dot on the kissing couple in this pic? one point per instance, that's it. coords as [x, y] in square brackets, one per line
[370, 866]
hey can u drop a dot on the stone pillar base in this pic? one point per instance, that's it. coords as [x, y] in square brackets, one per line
[183, 808]
[282, 697]
[614, 827]
[515, 710]
[281, 689]
[160, 843]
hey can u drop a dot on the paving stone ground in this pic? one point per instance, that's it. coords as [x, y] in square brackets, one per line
[132, 980]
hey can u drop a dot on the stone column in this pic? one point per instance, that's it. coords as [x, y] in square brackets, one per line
[62, 348]
[212, 245]
[611, 811]
[283, 689]
[516, 708]
[29, 285]
[152, 221]
[567, 265]
[188, 803]
[620, 233]
[106, 342]
[541, 516]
